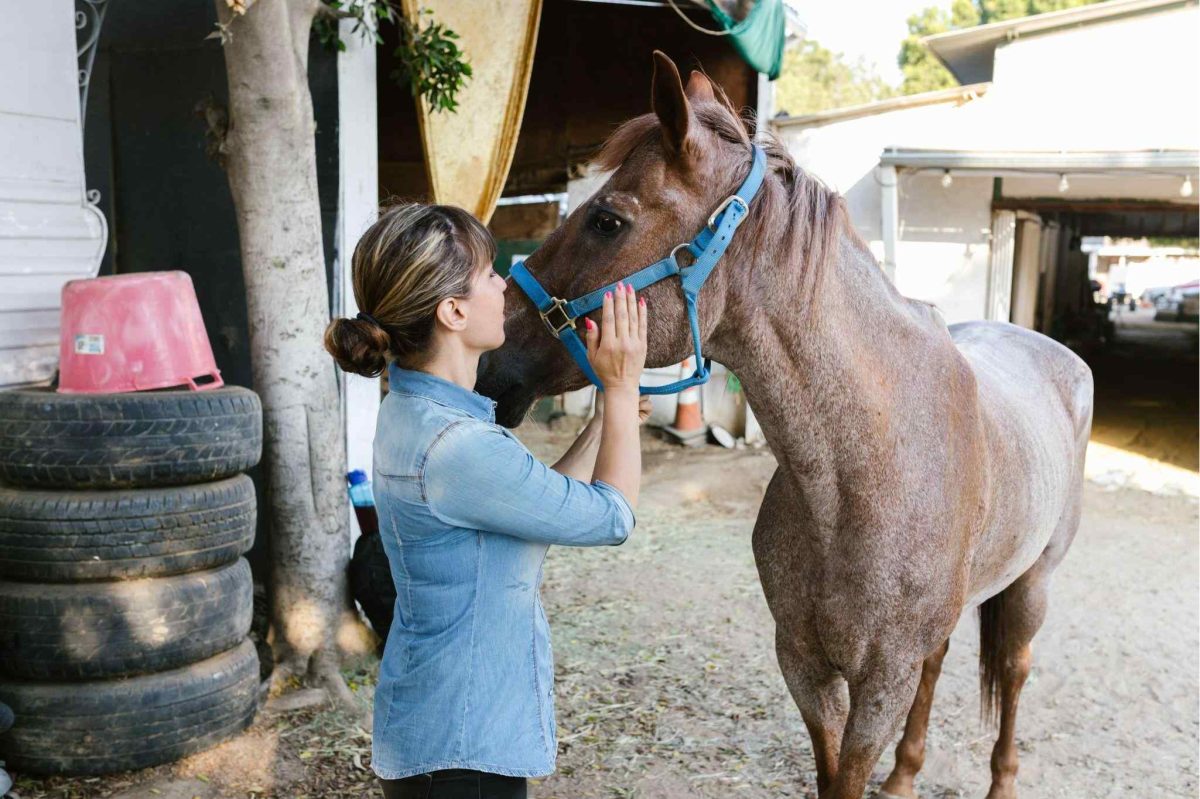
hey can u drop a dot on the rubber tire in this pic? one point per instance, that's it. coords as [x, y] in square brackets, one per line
[100, 630]
[137, 440]
[106, 726]
[73, 536]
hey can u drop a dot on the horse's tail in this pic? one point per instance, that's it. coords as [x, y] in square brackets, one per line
[993, 630]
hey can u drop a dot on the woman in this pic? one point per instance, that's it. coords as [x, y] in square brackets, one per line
[464, 706]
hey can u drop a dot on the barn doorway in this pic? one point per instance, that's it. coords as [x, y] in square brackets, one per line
[1117, 282]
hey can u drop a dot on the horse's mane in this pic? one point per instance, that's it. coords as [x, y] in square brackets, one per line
[798, 216]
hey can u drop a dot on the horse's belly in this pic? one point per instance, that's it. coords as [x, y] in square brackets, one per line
[1034, 477]
[1003, 566]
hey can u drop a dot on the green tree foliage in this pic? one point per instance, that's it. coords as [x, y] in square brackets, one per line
[815, 78]
[431, 63]
[923, 72]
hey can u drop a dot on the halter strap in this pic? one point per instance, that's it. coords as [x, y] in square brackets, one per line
[706, 249]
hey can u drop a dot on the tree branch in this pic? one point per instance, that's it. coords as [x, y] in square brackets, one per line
[329, 12]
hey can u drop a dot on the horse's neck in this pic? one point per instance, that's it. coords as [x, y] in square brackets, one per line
[824, 374]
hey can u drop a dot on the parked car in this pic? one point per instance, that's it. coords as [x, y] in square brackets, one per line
[1151, 296]
[1180, 304]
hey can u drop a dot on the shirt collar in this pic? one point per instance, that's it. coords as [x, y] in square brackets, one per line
[423, 384]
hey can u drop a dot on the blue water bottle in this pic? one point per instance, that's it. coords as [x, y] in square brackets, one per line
[363, 501]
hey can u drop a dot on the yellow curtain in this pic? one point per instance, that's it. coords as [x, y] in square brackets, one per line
[468, 152]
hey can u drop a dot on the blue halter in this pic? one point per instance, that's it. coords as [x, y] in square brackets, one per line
[706, 250]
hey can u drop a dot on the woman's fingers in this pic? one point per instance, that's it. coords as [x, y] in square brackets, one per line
[607, 318]
[643, 316]
[645, 408]
[591, 337]
[633, 314]
[622, 314]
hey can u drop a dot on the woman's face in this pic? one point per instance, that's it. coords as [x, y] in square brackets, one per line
[485, 319]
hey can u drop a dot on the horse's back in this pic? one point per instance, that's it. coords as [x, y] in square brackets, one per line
[1035, 399]
[1018, 363]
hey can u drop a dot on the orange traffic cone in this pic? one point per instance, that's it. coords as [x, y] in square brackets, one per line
[689, 428]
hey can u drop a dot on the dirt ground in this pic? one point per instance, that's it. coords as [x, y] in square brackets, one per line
[667, 685]
[1146, 394]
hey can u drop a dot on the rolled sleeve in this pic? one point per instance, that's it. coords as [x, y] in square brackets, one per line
[628, 519]
[475, 476]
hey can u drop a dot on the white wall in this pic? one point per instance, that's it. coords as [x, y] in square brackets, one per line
[1130, 83]
[944, 245]
[358, 204]
[942, 249]
[48, 233]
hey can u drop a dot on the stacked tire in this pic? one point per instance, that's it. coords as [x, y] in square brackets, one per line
[125, 602]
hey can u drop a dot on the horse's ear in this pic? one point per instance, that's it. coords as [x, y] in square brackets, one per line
[699, 88]
[670, 103]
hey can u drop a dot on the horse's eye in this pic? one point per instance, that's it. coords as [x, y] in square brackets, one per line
[605, 223]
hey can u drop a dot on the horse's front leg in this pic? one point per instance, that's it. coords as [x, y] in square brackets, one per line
[879, 696]
[820, 693]
[910, 752]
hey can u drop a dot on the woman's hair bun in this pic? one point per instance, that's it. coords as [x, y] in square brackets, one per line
[358, 345]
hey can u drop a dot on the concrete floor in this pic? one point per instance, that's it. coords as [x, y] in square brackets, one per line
[1146, 390]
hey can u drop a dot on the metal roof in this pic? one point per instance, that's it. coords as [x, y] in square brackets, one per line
[1169, 161]
[955, 94]
[969, 53]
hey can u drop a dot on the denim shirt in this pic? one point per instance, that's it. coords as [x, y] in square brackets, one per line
[466, 515]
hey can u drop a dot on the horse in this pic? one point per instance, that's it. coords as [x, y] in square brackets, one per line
[923, 470]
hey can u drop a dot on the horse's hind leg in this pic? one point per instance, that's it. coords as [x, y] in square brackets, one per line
[1008, 622]
[821, 696]
[910, 752]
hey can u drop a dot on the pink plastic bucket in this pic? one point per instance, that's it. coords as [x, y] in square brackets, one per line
[133, 333]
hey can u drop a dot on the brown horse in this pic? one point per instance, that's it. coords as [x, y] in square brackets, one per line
[923, 470]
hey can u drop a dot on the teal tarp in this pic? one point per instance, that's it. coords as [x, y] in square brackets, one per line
[759, 37]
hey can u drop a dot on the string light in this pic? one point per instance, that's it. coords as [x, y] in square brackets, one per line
[947, 179]
[1063, 183]
[1186, 189]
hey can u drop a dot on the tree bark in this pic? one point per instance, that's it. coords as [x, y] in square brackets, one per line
[270, 151]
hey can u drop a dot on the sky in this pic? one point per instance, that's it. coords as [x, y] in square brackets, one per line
[871, 29]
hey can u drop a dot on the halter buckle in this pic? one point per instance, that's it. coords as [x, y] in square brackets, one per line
[679, 247]
[567, 320]
[728, 201]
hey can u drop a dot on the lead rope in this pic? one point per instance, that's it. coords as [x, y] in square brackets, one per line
[688, 20]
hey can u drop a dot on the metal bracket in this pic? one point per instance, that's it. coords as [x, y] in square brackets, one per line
[567, 320]
[89, 17]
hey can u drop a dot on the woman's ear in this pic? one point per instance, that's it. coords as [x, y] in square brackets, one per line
[451, 314]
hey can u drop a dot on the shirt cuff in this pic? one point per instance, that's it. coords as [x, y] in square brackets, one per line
[628, 518]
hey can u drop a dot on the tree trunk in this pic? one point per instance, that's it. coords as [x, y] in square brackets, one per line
[270, 151]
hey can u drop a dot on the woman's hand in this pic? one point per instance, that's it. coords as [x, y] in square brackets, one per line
[645, 408]
[617, 347]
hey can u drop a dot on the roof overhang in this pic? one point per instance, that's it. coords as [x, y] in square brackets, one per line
[956, 95]
[1166, 161]
[969, 54]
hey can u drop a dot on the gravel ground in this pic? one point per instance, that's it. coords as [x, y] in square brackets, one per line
[668, 686]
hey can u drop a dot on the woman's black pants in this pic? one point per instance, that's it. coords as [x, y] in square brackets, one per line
[455, 784]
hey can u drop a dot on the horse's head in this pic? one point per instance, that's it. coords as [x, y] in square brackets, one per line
[672, 169]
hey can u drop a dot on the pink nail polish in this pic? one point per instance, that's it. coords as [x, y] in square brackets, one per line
[608, 295]
[641, 300]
